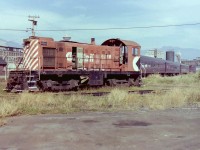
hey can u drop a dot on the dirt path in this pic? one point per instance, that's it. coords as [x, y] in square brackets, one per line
[170, 129]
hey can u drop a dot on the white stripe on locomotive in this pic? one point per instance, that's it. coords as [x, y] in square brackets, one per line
[28, 58]
[135, 60]
[33, 60]
[34, 65]
[32, 45]
[29, 51]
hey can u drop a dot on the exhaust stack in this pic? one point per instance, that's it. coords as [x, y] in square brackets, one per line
[93, 41]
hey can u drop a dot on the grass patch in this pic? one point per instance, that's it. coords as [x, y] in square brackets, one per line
[118, 99]
[188, 79]
[170, 99]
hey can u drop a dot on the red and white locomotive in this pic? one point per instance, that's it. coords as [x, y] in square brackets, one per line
[50, 65]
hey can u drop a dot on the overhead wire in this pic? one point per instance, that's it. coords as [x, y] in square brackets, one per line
[126, 28]
[114, 28]
[15, 30]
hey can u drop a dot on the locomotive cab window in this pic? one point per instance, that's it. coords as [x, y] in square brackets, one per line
[135, 51]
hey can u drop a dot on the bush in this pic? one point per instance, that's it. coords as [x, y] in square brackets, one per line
[7, 108]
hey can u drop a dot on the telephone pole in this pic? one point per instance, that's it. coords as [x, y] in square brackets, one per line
[34, 23]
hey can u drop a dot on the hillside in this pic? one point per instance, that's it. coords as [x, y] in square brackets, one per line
[186, 53]
[9, 43]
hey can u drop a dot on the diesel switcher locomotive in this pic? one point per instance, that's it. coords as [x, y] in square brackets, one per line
[50, 65]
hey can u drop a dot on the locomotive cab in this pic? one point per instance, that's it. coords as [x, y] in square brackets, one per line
[129, 53]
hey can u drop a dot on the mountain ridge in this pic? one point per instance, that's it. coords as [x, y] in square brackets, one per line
[9, 43]
[186, 53]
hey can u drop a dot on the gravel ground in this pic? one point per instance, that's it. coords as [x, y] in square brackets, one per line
[175, 129]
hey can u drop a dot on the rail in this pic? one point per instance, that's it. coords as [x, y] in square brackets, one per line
[141, 92]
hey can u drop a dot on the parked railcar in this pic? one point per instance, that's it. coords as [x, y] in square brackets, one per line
[172, 68]
[184, 69]
[64, 65]
[192, 68]
[150, 65]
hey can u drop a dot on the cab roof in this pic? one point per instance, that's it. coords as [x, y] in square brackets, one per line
[119, 42]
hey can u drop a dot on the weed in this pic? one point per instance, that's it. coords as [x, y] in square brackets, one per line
[118, 99]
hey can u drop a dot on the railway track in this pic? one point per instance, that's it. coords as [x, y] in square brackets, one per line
[141, 92]
[172, 86]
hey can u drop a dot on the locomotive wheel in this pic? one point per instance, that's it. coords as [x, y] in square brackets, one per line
[73, 84]
[112, 82]
[49, 85]
[131, 82]
[137, 82]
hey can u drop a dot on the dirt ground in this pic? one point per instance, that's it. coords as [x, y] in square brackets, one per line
[175, 129]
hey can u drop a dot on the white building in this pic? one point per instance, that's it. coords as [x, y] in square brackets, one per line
[155, 53]
[11, 55]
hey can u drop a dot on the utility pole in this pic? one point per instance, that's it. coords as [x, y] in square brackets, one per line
[34, 23]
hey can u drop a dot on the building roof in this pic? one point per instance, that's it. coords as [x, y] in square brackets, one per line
[2, 62]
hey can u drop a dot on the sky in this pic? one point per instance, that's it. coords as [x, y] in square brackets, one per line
[100, 14]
